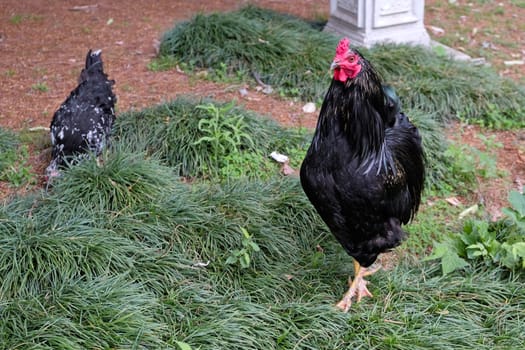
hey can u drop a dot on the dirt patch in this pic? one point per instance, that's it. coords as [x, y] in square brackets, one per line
[43, 45]
[494, 30]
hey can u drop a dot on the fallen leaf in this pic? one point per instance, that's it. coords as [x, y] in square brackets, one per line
[453, 201]
[156, 46]
[470, 210]
[287, 170]
[243, 92]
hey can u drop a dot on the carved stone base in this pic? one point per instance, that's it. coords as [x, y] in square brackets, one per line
[366, 22]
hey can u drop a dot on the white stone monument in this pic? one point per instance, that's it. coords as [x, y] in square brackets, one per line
[366, 22]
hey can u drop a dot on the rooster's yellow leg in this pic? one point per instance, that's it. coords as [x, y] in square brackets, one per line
[357, 287]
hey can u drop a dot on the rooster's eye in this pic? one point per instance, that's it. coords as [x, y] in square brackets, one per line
[351, 59]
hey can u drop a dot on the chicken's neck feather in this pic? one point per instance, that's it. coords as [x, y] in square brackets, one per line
[356, 111]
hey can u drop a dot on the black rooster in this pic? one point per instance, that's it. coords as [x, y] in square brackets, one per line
[364, 170]
[83, 123]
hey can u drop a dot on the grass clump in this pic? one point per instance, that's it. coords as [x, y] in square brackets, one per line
[37, 253]
[152, 271]
[437, 84]
[294, 57]
[208, 139]
[106, 312]
[123, 180]
[14, 156]
[284, 51]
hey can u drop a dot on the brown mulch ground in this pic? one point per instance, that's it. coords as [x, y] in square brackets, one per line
[48, 44]
[43, 45]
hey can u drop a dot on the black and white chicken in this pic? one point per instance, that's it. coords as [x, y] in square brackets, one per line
[82, 124]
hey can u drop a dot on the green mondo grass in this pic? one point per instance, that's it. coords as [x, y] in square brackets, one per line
[294, 57]
[132, 252]
[239, 146]
[106, 312]
[119, 180]
[151, 271]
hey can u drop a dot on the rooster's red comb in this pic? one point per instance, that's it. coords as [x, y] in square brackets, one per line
[342, 47]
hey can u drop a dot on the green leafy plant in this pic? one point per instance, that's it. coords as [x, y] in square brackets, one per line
[517, 211]
[224, 133]
[243, 256]
[500, 243]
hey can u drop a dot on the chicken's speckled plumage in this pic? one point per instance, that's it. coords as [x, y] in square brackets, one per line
[83, 123]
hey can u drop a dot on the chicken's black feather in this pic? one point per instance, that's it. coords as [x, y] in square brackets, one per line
[364, 170]
[82, 124]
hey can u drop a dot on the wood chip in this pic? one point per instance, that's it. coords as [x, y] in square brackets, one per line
[514, 63]
[85, 8]
[436, 30]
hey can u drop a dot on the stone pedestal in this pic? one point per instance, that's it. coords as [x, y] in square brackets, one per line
[366, 22]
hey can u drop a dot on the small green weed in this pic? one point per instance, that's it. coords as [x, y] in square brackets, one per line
[18, 18]
[243, 256]
[224, 74]
[19, 174]
[162, 63]
[467, 162]
[10, 73]
[245, 163]
[221, 73]
[40, 87]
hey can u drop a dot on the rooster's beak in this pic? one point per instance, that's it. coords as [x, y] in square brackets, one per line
[334, 65]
